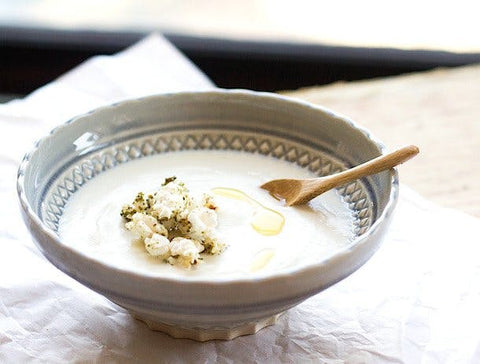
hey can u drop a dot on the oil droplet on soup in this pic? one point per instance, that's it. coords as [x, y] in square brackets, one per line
[261, 259]
[265, 221]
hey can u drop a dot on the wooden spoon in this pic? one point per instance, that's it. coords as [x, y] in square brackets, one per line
[300, 191]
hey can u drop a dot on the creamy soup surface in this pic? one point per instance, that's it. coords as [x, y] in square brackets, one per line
[91, 221]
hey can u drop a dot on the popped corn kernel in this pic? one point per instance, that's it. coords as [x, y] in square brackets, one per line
[158, 246]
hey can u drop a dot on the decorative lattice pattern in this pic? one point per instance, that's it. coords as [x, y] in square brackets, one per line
[319, 163]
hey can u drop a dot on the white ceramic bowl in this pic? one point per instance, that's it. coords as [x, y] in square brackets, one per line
[284, 128]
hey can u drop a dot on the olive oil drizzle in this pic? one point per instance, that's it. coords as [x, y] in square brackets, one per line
[265, 221]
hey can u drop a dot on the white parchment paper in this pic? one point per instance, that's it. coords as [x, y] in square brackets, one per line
[416, 301]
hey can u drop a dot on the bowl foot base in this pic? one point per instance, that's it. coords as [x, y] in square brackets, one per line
[206, 334]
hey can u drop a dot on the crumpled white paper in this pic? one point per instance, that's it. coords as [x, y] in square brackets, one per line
[417, 300]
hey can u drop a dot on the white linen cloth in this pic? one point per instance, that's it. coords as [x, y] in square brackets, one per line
[416, 301]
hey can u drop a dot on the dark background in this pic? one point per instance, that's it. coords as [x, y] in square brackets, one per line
[30, 58]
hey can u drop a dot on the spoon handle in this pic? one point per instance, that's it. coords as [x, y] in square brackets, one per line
[376, 165]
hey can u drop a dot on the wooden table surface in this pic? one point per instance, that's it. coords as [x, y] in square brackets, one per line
[438, 110]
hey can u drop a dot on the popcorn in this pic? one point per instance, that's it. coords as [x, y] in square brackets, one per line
[187, 251]
[203, 222]
[145, 225]
[158, 246]
[174, 225]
